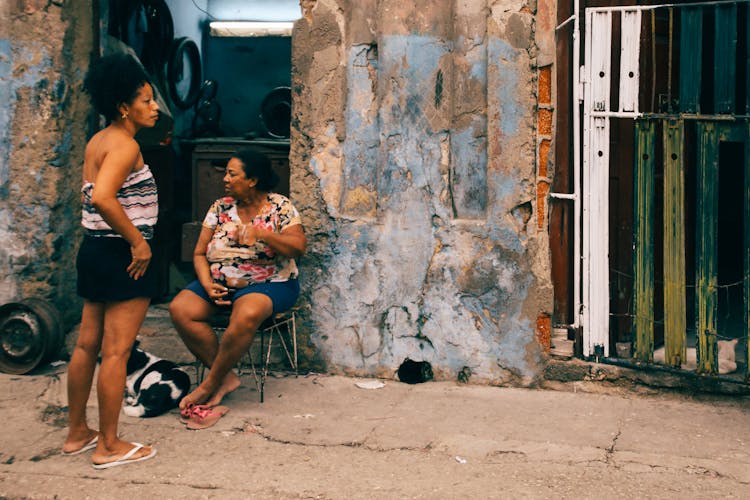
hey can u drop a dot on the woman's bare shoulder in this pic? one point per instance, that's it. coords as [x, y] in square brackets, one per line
[112, 146]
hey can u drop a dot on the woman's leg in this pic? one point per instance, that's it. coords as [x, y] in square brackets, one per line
[248, 312]
[190, 314]
[122, 320]
[81, 375]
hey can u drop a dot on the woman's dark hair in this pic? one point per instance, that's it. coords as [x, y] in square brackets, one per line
[113, 80]
[257, 166]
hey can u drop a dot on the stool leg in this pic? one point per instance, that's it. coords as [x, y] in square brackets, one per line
[199, 372]
[267, 359]
[263, 364]
[253, 370]
[294, 342]
[290, 328]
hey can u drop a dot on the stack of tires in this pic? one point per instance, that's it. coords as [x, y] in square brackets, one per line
[147, 27]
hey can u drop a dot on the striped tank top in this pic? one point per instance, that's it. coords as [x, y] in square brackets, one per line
[139, 199]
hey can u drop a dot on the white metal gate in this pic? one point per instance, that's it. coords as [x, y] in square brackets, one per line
[593, 88]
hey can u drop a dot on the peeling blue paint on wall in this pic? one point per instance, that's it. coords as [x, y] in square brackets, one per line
[485, 328]
[469, 139]
[476, 56]
[469, 166]
[28, 76]
[512, 111]
[504, 191]
[361, 146]
[5, 114]
[62, 149]
[415, 281]
[407, 67]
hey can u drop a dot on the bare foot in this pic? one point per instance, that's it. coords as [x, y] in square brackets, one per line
[230, 383]
[76, 441]
[199, 396]
[103, 455]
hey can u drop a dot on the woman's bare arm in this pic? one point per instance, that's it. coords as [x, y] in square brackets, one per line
[291, 242]
[115, 167]
[200, 262]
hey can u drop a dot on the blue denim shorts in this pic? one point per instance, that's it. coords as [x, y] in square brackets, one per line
[283, 294]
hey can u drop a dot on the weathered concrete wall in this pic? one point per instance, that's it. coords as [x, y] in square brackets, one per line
[44, 51]
[414, 152]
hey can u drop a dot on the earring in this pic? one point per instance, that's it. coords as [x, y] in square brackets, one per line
[124, 115]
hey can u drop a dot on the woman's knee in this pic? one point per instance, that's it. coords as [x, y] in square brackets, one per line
[177, 308]
[89, 346]
[115, 353]
[249, 317]
[182, 309]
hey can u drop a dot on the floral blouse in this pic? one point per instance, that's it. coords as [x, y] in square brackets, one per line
[230, 261]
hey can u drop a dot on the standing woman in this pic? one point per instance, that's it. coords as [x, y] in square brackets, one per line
[119, 212]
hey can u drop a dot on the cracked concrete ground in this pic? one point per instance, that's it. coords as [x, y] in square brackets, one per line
[319, 436]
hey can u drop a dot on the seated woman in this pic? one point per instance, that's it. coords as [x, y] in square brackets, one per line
[244, 261]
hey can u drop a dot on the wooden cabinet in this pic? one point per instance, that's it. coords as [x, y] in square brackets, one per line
[209, 160]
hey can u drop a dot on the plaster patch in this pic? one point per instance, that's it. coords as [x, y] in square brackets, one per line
[476, 54]
[518, 32]
[359, 200]
[362, 134]
[326, 61]
[326, 162]
[13, 255]
[505, 192]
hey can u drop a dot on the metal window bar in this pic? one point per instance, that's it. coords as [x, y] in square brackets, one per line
[643, 262]
[746, 264]
[725, 57]
[595, 156]
[675, 313]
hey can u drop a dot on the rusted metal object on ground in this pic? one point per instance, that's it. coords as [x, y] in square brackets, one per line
[30, 335]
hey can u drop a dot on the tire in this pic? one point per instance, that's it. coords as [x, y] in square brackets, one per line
[30, 334]
[181, 48]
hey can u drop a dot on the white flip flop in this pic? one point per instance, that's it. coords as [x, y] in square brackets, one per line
[86, 447]
[125, 459]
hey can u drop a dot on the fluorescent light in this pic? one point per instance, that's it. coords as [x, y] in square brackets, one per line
[250, 28]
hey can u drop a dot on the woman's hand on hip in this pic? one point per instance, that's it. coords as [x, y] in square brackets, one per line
[141, 258]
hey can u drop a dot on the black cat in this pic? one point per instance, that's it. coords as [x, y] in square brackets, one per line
[414, 372]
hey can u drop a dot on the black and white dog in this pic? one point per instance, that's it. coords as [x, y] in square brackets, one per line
[153, 385]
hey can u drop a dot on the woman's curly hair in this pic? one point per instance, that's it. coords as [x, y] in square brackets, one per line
[113, 80]
[257, 166]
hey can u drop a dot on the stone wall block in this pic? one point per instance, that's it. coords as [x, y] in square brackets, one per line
[428, 186]
[43, 129]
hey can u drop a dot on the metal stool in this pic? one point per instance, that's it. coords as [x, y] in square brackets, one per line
[274, 325]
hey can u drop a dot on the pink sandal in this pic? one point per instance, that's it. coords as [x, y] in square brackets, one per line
[201, 416]
[186, 413]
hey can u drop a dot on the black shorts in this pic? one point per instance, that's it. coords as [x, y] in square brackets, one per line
[102, 271]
